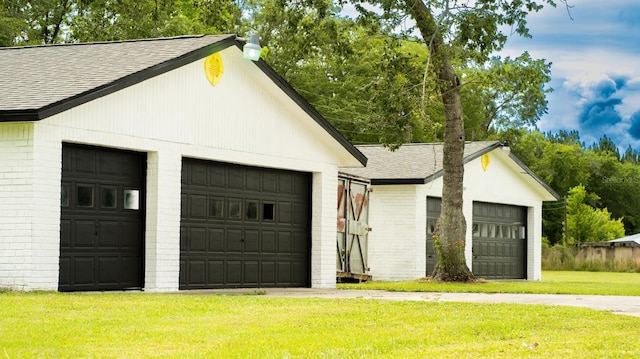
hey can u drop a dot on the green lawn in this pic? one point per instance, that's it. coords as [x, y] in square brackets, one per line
[596, 283]
[143, 325]
[136, 325]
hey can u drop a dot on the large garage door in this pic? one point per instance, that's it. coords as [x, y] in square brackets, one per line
[243, 226]
[102, 216]
[499, 241]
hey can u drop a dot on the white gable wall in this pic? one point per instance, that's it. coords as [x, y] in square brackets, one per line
[398, 216]
[245, 119]
[505, 184]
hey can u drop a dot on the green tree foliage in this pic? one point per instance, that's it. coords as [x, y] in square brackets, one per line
[631, 156]
[504, 93]
[55, 21]
[588, 224]
[617, 184]
[563, 162]
[104, 20]
[34, 22]
[606, 145]
[12, 23]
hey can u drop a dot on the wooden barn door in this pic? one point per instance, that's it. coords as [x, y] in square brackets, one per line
[353, 229]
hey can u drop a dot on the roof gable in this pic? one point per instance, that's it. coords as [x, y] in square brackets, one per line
[41, 81]
[413, 163]
[421, 163]
[37, 82]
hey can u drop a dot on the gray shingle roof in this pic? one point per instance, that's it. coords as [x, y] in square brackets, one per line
[37, 78]
[40, 81]
[412, 163]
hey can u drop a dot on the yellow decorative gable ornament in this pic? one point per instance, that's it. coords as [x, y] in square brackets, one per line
[484, 160]
[214, 68]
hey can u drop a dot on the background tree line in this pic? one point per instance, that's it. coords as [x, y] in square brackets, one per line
[596, 175]
[368, 75]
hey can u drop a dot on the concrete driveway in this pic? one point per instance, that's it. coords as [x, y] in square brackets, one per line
[615, 304]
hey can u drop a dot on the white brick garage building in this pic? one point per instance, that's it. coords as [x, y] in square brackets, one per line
[122, 166]
[502, 206]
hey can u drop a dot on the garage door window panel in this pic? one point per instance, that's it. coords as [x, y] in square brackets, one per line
[132, 199]
[235, 209]
[251, 213]
[216, 207]
[109, 197]
[64, 195]
[268, 211]
[84, 196]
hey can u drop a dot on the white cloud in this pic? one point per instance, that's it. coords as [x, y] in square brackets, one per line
[600, 44]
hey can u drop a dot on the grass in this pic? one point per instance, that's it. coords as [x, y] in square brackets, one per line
[553, 282]
[137, 325]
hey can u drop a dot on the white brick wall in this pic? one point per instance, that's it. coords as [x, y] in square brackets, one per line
[534, 247]
[323, 228]
[162, 251]
[47, 153]
[16, 204]
[397, 239]
[245, 119]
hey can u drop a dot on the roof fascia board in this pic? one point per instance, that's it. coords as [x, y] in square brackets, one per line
[487, 149]
[19, 115]
[398, 181]
[306, 106]
[117, 85]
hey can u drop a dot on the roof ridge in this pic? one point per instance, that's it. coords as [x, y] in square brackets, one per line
[69, 44]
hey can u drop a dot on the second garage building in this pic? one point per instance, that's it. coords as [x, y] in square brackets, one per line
[502, 205]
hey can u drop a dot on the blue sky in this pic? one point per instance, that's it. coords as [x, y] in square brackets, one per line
[595, 68]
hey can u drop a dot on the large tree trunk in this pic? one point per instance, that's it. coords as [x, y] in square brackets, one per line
[449, 237]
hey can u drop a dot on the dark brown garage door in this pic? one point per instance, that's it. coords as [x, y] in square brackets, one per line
[243, 226]
[102, 216]
[499, 241]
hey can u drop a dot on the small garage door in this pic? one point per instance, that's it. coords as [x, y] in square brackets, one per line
[243, 226]
[499, 241]
[102, 216]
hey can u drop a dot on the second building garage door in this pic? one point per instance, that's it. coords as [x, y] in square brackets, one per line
[243, 226]
[499, 241]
